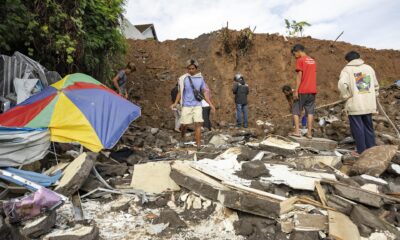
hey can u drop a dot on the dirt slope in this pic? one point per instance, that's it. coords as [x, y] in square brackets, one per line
[267, 66]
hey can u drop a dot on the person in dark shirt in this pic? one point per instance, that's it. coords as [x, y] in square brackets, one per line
[288, 91]
[240, 89]
[121, 79]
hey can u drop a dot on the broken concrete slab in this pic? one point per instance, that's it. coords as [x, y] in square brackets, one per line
[78, 232]
[196, 181]
[75, 174]
[38, 226]
[310, 222]
[250, 203]
[321, 144]
[311, 161]
[153, 177]
[341, 227]
[279, 146]
[363, 216]
[52, 170]
[360, 195]
[340, 204]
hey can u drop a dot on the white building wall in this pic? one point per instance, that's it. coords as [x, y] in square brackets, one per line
[130, 31]
[148, 33]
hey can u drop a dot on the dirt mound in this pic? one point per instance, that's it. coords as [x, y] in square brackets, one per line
[266, 64]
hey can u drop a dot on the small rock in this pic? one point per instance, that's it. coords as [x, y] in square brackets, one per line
[154, 131]
[253, 169]
[197, 203]
[121, 204]
[170, 217]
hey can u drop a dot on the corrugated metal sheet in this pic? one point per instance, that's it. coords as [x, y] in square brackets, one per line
[21, 66]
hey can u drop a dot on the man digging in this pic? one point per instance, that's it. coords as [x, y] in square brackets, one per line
[191, 93]
[305, 91]
[121, 79]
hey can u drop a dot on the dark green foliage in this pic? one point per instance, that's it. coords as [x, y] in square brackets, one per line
[65, 35]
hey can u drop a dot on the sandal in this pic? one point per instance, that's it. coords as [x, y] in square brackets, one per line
[294, 135]
[308, 136]
[354, 154]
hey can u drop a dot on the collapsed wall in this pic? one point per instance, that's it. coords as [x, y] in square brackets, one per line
[265, 61]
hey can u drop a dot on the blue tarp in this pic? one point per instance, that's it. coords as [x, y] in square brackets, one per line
[38, 178]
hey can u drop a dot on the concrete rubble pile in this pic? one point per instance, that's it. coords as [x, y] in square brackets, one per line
[243, 184]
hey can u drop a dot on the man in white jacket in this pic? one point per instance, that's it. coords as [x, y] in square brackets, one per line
[359, 87]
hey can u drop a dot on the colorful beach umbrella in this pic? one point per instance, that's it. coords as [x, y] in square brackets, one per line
[76, 109]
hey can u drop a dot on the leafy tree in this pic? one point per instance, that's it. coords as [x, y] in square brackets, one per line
[295, 28]
[67, 36]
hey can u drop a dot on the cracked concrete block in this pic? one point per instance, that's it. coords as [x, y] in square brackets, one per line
[250, 203]
[196, 181]
[75, 174]
[321, 144]
[38, 226]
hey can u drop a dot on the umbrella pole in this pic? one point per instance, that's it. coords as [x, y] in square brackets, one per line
[55, 153]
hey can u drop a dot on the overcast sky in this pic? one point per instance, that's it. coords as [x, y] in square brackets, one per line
[372, 23]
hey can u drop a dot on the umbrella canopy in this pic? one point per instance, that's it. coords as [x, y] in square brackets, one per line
[76, 109]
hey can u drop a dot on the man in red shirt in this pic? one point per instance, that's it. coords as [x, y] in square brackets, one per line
[305, 91]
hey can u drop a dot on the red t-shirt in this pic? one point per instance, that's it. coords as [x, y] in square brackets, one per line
[308, 67]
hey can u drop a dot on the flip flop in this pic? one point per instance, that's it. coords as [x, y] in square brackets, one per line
[294, 135]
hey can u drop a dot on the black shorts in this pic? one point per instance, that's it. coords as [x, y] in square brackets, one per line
[306, 102]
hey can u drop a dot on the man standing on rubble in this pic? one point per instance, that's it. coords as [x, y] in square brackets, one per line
[240, 89]
[305, 91]
[121, 79]
[191, 93]
[359, 87]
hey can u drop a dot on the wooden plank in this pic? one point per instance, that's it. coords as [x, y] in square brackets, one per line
[341, 227]
[321, 193]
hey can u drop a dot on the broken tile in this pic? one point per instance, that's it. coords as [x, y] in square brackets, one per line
[279, 146]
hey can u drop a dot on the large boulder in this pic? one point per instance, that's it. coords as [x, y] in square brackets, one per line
[374, 161]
